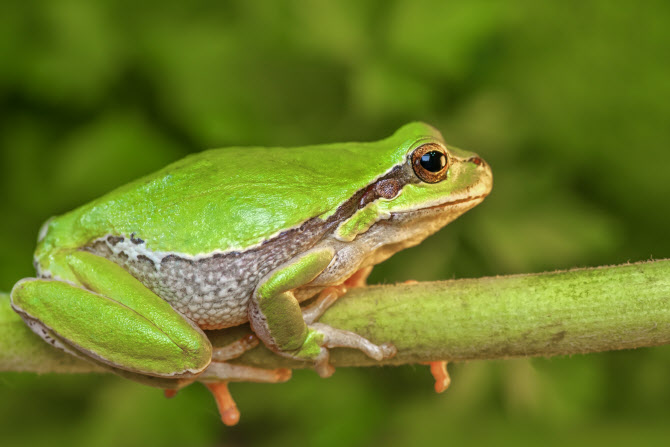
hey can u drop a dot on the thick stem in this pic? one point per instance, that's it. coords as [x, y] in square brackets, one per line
[577, 311]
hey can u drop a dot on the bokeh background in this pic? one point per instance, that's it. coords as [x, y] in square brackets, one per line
[569, 101]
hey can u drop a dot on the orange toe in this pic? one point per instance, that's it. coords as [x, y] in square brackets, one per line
[439, 372]
[170, 393]
[283, 374]
[224, 401]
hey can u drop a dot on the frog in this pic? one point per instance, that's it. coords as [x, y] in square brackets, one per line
[266, 236]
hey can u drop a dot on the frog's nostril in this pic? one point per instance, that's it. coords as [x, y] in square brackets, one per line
[476, 160]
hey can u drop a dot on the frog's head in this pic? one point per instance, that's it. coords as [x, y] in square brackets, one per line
[431, 184]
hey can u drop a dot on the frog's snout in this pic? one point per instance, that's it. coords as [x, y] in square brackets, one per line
[476, 160]
[484, 183]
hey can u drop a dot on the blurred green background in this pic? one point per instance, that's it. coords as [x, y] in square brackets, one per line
[569, 101]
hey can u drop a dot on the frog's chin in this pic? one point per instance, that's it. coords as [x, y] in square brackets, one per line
[405, 229]
[428, 220]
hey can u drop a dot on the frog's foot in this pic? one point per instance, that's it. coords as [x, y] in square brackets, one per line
[339, 338]
[238, 373]
[218, 374]
[439, 371]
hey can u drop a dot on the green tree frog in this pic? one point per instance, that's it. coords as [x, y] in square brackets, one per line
[131, 280]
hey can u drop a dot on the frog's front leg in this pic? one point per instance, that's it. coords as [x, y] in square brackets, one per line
[104, 314]
[276, 317]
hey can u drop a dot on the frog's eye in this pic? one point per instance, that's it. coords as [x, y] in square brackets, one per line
[430, 162]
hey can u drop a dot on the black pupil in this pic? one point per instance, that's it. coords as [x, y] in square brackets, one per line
[433, 161]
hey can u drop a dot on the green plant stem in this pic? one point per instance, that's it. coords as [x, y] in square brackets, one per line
[569, 312]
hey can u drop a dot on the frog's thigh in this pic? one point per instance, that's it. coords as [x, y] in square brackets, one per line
[113, 318]
[275, 314]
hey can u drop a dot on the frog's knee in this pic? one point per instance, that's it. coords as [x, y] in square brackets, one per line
[111, 332]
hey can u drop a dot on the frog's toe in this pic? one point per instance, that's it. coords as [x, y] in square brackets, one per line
[321, 364]
[439, 371]
[388, 350]
[326, 298]
[169, 393]
[338, 338]
[230, 415]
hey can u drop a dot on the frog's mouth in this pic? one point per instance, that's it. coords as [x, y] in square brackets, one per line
[446, 205]
[457, 202]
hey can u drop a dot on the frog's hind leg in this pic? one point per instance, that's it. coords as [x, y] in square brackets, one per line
[111, 318]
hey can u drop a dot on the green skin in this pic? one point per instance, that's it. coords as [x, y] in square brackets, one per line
[239, 200]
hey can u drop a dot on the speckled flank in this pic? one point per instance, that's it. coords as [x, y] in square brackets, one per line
[213, 291]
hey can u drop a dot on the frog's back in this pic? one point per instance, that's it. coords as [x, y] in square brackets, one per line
[227, 199]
